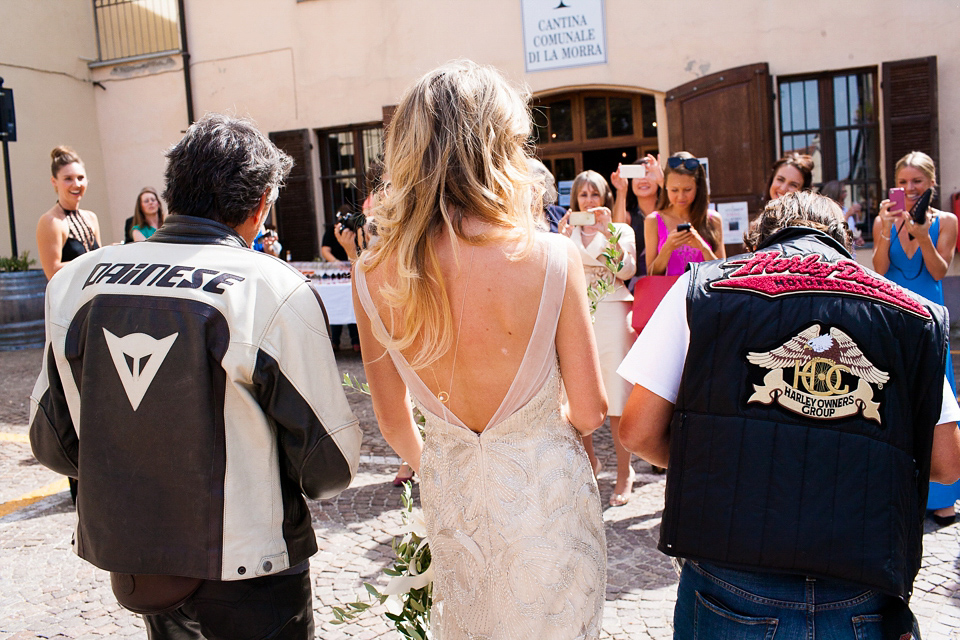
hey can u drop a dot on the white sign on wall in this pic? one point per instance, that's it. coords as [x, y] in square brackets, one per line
[558, 34]
[736, 221]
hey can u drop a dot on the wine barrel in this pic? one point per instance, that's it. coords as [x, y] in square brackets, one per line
[21, 309]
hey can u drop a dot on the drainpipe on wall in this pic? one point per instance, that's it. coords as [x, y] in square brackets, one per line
[185, 52]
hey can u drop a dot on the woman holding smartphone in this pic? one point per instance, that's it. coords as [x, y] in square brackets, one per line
[644, 187]
[611, 320]
[683, 229]
[916, 256]
[637, 188]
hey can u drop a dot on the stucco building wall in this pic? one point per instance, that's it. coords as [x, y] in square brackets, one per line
[328, 63]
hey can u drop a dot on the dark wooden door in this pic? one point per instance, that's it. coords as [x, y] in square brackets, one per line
[295, 212]
[911, 116]
[727, 117]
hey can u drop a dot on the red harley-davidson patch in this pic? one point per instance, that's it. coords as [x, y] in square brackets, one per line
[771, 274]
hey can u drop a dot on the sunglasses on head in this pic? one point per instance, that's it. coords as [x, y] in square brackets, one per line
[690, 164]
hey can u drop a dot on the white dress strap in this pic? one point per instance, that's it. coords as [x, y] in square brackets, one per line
[541, 354]
[538, 358]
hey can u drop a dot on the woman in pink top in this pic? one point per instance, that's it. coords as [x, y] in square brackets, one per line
[682, 230]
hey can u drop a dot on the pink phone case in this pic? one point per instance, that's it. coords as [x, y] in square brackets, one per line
[898, 200]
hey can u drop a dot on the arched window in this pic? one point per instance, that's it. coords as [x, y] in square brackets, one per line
[593, 129]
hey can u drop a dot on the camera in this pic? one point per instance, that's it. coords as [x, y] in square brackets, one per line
[919, 210]
[351, 220]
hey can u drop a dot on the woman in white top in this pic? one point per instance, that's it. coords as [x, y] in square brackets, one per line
[611, 320]
[462, 306]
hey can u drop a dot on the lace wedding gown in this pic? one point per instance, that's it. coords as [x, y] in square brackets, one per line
[513, 513]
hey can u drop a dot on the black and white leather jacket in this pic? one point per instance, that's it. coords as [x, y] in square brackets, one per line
[190, 385]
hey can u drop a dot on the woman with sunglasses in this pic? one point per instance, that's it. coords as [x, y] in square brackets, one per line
[682, 230]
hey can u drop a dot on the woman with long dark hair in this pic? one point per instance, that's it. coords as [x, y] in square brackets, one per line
[682, 229]
[148, 214]
[792, 172]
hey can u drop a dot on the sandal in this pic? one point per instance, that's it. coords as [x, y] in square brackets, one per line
[620, 499]
[403, 477]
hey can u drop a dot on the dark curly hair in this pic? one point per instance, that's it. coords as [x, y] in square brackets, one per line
[221, 168]
[799, 209]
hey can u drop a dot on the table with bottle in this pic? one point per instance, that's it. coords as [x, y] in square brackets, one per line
[331, 281]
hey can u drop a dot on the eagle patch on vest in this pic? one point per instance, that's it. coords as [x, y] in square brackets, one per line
[825, 377]
[772, 274]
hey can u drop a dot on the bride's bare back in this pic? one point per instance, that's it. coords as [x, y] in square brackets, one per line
[496, 302]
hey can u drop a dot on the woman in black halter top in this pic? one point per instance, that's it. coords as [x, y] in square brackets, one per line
[65, 231]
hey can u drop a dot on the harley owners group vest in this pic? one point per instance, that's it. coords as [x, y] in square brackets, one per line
[804, 423]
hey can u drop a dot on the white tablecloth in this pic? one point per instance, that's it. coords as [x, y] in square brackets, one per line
[337, 300]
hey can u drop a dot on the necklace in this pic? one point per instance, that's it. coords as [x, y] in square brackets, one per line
[587, 238]
[78, 228]
[444, 396]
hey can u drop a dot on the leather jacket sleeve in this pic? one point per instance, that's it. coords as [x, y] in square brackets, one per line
[53, 436]
[298, 386]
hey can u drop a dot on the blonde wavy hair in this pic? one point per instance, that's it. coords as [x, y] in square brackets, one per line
[455, 149]
[922, 163]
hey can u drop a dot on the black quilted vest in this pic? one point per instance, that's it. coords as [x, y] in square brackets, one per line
[804, 423]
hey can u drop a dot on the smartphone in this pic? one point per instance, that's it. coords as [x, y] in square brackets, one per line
[919, 210]
[683, 226]
[582, 218]
[633, 171]
[898, 201]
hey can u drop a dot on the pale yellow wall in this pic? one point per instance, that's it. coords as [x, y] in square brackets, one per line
[327, 63]
[40, 59]
[323, 63]
[141, 114]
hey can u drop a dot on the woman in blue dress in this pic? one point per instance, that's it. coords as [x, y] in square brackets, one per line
[916, 256]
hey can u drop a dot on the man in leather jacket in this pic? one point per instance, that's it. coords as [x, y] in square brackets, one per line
[799, 403]
[199, 378]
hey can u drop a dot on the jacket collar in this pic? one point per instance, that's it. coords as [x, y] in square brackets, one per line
[181, 229]
[794, 233]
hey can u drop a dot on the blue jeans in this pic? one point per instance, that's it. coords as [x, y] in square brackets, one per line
[717, 603]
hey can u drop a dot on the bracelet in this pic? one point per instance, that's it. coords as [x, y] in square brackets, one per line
[887, 238]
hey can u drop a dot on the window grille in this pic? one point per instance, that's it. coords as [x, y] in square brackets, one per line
[132, 28]
[833, 117]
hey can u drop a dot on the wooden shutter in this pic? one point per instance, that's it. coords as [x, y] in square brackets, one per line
[911, 117]
[728, 118]
[294, 212]
[388, 111]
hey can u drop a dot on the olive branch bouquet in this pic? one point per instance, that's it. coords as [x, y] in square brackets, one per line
[613, 258]
[409, 594]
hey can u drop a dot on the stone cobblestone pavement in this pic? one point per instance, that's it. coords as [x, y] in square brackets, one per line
[47, 592]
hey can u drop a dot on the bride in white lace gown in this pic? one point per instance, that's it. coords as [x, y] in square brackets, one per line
[465, 307]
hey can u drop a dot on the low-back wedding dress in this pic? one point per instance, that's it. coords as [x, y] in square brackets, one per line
[513, 513]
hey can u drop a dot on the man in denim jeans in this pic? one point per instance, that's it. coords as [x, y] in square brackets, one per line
[800, 405]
